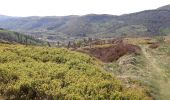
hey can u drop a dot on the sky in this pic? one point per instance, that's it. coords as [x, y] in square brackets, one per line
[76, 7]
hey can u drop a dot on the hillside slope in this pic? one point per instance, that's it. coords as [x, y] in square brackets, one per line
[150, 68]
[15, 37]
[28, 72]
[2, 17]
[145, 23]
[166, 7]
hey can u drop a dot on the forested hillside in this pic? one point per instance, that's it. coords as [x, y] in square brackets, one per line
[15, 37]
[65, 28]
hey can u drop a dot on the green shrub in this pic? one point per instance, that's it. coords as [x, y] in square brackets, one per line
[50, 73]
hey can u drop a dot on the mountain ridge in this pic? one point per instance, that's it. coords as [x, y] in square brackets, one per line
[59, 28]
[166, 7]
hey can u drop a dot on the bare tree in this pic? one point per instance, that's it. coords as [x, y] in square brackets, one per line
[69, 44]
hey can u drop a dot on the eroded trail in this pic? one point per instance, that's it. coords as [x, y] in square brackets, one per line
[158, 75]
[151, 61]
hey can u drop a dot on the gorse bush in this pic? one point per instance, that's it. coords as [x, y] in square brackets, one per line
[28, 72]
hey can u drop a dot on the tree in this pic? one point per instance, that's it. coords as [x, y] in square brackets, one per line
[90, 40]
[69, 44]
[58, 43]
[48, 43]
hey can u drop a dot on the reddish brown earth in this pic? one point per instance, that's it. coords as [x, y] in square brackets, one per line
[112, 53]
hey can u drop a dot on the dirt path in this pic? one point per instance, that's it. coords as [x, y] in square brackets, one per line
[151, 61]
[158, 75]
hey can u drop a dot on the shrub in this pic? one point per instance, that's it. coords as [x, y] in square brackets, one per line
[51, 73]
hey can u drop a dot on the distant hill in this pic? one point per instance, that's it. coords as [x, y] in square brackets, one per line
[2, 17]
[167, 7]
[15, 37]
[55, 28]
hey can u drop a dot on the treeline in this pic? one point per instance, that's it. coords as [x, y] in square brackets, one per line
[15, 37]
[90, 42]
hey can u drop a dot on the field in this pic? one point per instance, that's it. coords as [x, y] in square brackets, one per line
[32, 72]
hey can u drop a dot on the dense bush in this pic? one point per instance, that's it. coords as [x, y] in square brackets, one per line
[113, 52]
[154, 46]
[28, 72]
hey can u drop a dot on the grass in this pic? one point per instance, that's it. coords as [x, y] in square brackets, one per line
[128, 65]
[151, 70]
[162, 54]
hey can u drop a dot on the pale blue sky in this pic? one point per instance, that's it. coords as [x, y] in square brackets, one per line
[75, 7]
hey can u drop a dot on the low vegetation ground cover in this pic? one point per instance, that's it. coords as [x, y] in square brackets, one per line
[150, 68]
[29, 72]
[162, 54]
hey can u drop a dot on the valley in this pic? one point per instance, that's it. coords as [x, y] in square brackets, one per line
[74, 27]
[86, 57]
